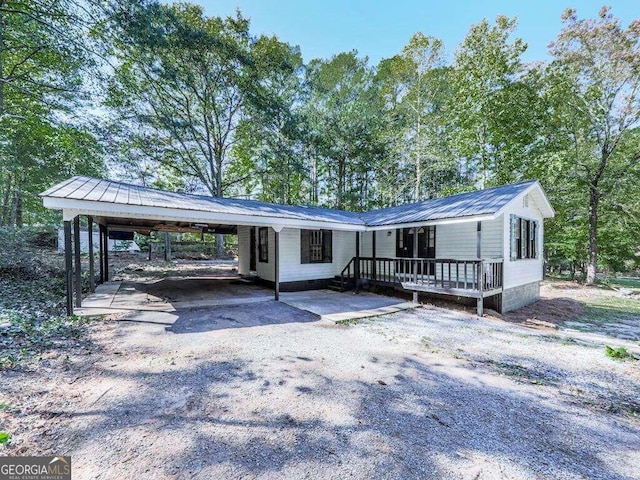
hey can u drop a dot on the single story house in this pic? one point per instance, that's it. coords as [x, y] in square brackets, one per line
[485, 245]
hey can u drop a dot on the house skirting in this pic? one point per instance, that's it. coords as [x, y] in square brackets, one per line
[517, 297]
[298, 286]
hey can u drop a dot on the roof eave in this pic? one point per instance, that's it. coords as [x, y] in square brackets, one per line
[73, 207]
[438, 221]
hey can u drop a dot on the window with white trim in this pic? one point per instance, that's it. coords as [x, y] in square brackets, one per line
[524, 238]
[316, 246]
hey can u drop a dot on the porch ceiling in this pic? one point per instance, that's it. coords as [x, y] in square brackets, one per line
[146, 226]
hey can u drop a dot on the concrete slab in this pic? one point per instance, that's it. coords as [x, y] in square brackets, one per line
[171, 294]
[336, 306]
[167, 300]
[200, 320]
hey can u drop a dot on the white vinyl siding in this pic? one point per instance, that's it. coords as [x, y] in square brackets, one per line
[385, 244]
[266, 270]
[460, 240]
[291, 270]
[243, 250]
[523, 271]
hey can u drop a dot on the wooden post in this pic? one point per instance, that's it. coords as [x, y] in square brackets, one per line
[92, 280]
[373, 254]
[276, 259]
[480, 289]
[356, 267]
[480, 269]
[415, 262]
[106, 253]
[101, 255]
[78, 263]
[68, 267]
[167, 247]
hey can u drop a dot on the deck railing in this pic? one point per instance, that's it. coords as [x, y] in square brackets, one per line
[438, 274]
[479, 275]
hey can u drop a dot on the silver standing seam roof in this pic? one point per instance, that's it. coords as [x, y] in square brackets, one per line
[481, 202]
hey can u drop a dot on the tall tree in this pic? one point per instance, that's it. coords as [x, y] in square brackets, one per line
[594, 84]
[415, 86]
[45, 60]
[488, 117]
[185, 81]
[268, 154]
[344, 111]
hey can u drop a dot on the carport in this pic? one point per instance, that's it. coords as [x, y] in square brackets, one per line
[118, 208]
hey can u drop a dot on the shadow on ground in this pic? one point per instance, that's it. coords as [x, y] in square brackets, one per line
[419, 423]
[238, 316]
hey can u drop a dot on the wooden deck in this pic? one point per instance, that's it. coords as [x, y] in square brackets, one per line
[471, 278]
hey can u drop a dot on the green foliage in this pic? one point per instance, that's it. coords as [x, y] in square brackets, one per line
[25, 335]
[619, 353]
[4, 438]
[45, 59]
[198, 103]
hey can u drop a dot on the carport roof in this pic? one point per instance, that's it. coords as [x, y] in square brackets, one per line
[110, 194]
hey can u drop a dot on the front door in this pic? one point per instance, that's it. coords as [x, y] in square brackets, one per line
[426, 244]
[252, 248]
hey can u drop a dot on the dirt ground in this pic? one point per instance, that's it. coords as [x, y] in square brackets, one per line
[428, 393]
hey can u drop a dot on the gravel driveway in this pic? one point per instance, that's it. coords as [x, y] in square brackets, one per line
[427, 393]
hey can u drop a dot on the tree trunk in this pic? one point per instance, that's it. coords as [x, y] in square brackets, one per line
[19, 221]
[219, 193]
[341, 179]
[5, 203]
[594, 199]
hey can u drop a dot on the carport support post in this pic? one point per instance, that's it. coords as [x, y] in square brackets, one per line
[68, 266]
[105, 244]
[101, 250]
[78, 264]
[276, 260]
[373, 254]
[415, 262]
[92, 280]
[480, 269]
[356, 267]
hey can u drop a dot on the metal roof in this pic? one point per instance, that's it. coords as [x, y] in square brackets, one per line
[96, 190]
[481, 202]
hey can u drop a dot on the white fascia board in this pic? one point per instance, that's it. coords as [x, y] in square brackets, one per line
[444, 221]
[546, 208]
[101, 209]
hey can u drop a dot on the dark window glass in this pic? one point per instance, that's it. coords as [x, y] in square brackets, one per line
[263, 244]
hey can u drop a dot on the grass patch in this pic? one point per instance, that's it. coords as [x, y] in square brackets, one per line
[625, 282]
[619, 353]
[611, 309]
[348, 321]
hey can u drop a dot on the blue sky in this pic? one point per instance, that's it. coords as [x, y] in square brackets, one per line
[379, 29]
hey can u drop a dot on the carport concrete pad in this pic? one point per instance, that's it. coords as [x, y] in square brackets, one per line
[198, 320]
[329, 304]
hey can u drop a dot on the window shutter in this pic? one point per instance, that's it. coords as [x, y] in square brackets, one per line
[514, 242]
[534, 239]
[327, 246]
[304, 246]
[524, 231]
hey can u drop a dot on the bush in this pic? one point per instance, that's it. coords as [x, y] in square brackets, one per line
[620, 353]
[22, 256]
[25, 335]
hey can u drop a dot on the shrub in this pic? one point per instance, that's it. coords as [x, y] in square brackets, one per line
[619, 353]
